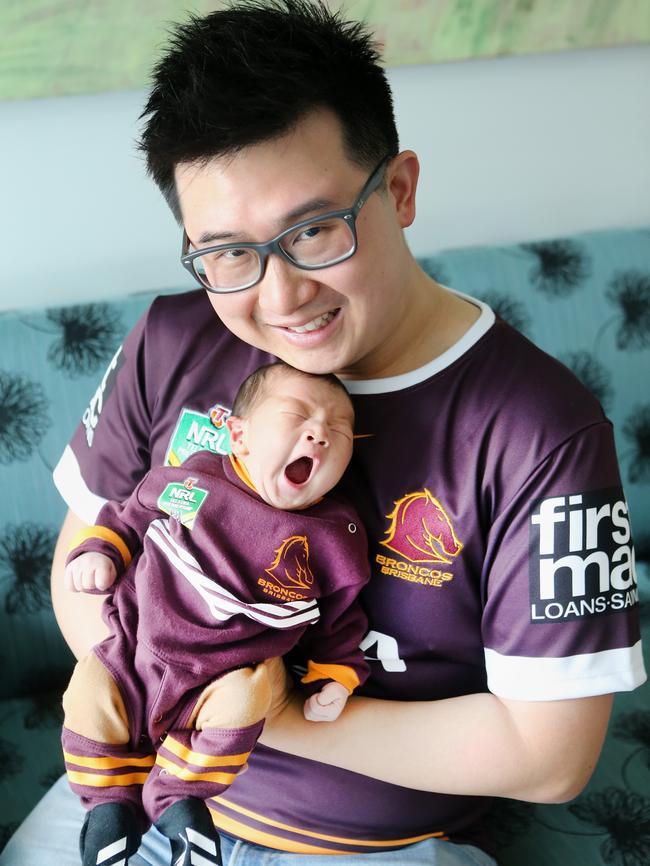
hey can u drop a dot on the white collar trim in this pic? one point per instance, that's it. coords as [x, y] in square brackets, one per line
[397, 383]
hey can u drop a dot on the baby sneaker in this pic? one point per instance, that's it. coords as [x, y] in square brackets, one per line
[110, 834]
[188, 826]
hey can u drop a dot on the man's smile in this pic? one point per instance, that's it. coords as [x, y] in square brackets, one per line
[312, 332]
[313, 325]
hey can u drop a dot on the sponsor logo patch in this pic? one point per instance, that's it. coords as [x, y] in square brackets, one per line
[196, 431]
[581, 556]
[420, 531]
[183, 501]
[290, 572]
[218, 415]
[90, 417]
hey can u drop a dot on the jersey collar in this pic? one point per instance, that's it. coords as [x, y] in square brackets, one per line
[242, 473]
[414, 377]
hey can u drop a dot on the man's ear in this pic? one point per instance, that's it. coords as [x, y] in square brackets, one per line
[403, 174]
[237, 429]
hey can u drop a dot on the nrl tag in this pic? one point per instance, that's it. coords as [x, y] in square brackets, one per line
[182, 501]
[196, 431]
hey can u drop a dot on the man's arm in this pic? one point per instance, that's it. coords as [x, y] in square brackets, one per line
[78, 613]
[479, 744]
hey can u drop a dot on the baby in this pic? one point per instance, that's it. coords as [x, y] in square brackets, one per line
[223, 562]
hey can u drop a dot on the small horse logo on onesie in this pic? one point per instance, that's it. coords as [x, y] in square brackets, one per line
[290, 568]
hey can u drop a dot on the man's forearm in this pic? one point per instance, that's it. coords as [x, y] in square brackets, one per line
[78, 614]
[473, 745]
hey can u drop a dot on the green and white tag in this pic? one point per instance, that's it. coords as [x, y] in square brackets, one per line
[182, 501]
[194, 432]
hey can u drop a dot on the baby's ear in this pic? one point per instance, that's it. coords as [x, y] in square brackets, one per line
[237, 429]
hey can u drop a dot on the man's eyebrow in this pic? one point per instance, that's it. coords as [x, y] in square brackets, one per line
[314, 204]
[294, 215]
[209, 237]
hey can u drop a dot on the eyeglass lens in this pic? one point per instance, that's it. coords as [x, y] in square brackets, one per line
[318, 244]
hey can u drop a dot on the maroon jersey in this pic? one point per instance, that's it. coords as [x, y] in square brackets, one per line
[498, 536]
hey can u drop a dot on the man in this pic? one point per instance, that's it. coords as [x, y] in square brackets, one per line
[482, 468]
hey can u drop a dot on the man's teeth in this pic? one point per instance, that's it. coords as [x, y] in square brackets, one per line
[314, 324]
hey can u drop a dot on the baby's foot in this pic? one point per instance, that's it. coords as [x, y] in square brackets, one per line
[110, 834]
[189, 827]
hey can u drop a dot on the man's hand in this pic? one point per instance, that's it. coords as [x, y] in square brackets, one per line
[327, 704]
[90, 572]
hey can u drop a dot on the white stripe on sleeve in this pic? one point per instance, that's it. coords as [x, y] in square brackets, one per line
[522, 678]
[72, 487]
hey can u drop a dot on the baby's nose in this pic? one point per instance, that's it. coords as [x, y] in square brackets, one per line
[317, 436]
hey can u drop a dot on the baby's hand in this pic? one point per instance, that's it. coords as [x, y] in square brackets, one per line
[327, 704]
[90, 572]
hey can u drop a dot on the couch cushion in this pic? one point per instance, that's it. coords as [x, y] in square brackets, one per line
[50, 363]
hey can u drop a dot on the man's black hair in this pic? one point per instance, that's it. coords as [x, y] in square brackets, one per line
[251, 72]
[252, 388]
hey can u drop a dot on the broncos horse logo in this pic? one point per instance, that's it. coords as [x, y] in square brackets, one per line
[291, 565]
[420, 530]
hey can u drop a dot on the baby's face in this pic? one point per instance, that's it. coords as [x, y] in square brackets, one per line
[296, 441]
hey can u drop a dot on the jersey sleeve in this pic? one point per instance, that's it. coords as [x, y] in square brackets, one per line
[120, 529]
[109, 451]
[561, 612]
[331, 645]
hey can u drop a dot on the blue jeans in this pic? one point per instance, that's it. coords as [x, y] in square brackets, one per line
[49, 836]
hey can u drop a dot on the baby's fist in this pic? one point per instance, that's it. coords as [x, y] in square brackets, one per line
[327, 704]
[90, 572]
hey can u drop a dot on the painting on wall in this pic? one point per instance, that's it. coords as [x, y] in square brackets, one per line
[58, 47]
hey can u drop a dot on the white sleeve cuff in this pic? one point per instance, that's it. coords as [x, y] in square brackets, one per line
[70, 484]
[522, 678]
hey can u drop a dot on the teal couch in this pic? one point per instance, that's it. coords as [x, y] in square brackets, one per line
[584, 299]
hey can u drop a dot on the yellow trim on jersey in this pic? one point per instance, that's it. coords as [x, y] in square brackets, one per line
[97, 781]
[242, 472]
[104, 534]
[109, 763]
[249, 833]
[189, 776]
[258, 837]
[200, 759]
[343, 674]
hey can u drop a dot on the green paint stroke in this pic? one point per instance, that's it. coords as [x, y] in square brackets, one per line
[51, 48]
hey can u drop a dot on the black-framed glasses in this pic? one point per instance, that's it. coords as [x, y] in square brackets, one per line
[314, 243]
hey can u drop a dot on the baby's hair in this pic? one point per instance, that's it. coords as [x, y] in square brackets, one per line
[252, 388]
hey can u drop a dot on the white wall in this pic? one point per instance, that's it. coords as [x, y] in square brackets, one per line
[511, 149]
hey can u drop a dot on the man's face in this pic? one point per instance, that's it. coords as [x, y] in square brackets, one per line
[344, 318]
[296, 441]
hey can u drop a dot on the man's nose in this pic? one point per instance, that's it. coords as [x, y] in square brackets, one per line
[284, 288]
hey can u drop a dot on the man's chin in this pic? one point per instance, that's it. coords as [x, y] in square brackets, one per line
[307, 362]
[317, 361]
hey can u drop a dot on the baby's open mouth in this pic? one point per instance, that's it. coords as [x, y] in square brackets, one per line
[298, 471]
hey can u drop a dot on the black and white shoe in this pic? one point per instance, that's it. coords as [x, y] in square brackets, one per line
[110, 834]
[194, 839]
